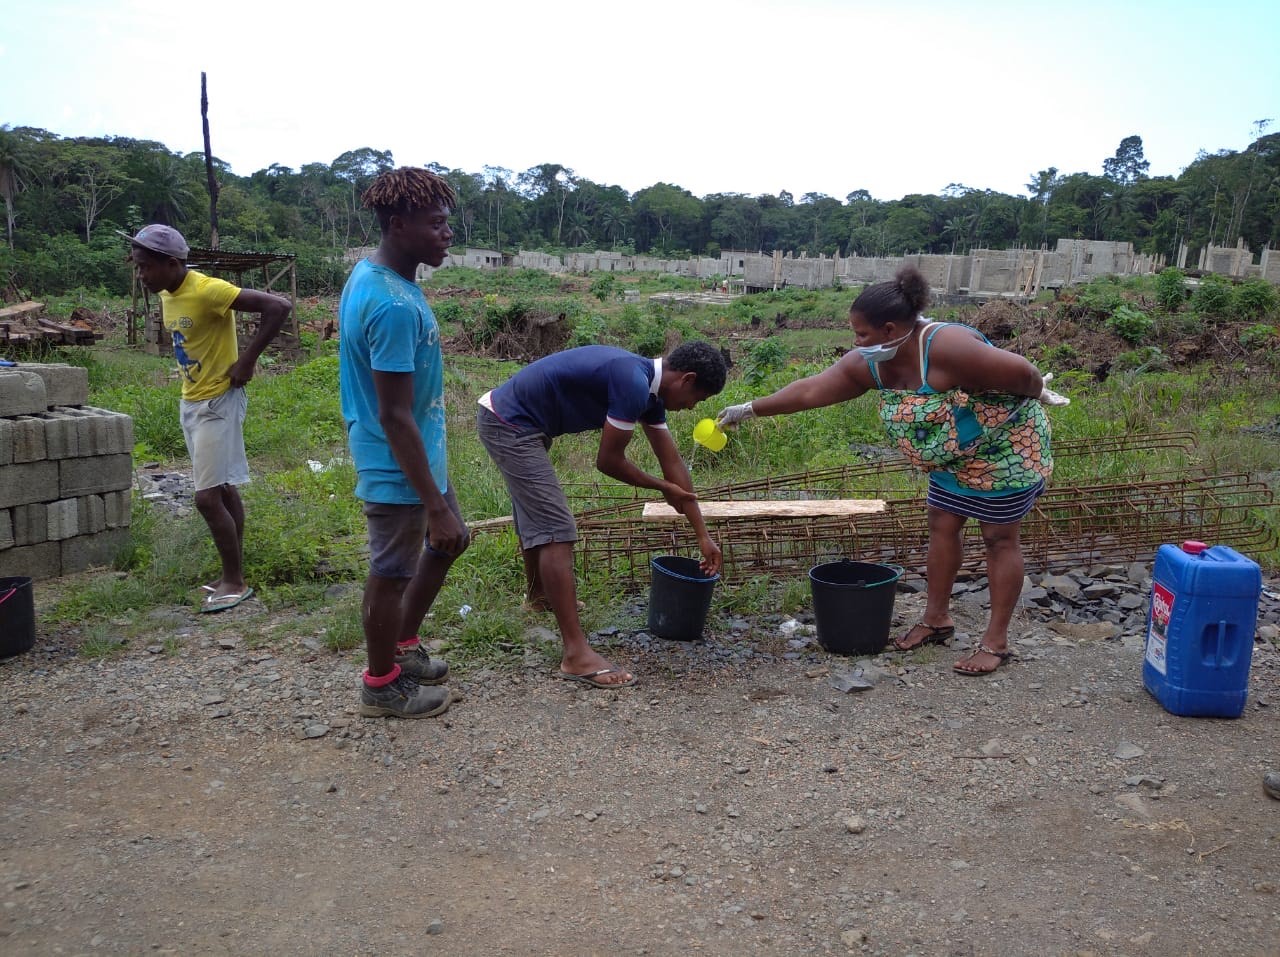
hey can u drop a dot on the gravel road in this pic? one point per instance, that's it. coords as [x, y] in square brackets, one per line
[218, 795]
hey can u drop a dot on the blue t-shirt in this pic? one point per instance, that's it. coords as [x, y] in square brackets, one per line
[385, 325]
[578, 389]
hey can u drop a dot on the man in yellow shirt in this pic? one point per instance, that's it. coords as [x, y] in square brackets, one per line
[199, 312]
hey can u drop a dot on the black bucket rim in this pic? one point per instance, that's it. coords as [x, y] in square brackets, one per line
[898, 570]
[13, 584]
[700, 579]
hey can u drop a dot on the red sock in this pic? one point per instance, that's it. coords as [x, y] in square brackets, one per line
[408, 643]
[381, 681]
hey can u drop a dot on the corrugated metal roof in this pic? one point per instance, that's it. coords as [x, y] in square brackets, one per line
[233, 261]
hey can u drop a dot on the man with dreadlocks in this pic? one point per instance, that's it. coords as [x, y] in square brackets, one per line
[392, 391]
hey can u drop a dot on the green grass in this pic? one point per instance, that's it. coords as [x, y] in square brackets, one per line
[305, 534]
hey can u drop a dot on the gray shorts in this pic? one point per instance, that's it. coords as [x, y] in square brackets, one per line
[398, 534]
[538, 504]
[214, 430]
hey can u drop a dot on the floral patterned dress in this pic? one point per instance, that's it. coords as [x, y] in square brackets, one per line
[990, 442]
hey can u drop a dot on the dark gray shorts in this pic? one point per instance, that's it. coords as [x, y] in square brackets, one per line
[538, 504]
[398, 535]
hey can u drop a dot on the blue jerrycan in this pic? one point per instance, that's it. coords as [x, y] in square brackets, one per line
[1200, 625]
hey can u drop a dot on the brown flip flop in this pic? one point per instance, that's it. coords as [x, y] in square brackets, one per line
[938, 634]
[1001, 656]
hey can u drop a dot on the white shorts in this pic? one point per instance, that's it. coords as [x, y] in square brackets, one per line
[214, 430]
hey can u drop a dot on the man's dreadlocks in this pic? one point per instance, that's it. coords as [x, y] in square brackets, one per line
[399, 191]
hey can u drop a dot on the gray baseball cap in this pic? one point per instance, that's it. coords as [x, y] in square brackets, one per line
[164, 240]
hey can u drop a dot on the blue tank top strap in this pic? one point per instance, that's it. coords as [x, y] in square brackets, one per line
[871, 367]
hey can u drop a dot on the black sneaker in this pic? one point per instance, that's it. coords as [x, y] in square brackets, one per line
[416, 663]
[403, 698]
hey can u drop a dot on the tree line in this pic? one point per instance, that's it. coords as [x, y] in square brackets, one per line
[65, 196]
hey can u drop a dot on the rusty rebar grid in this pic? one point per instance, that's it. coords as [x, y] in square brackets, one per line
[591, 500]
[1074, 524]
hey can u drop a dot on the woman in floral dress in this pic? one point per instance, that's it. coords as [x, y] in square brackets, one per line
[965, 411]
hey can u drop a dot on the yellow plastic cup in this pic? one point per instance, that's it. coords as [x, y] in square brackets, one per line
[708, 434]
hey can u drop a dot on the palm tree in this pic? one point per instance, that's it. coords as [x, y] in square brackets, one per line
[169, 194]
[958, 227]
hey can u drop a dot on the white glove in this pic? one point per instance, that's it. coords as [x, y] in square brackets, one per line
[732, 416]
[1049, 397]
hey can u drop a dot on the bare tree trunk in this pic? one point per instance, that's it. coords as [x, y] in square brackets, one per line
[208, 166]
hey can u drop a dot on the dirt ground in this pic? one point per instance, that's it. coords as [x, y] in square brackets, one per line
[218, 795]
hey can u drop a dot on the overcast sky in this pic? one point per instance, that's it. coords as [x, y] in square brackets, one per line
[746, 96]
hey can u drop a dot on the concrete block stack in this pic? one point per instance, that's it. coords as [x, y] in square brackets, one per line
[66, 473]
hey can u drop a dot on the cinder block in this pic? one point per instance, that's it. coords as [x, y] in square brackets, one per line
[29, 482]
[30, 523]
[64, 519]
[61, 435]
[93, 475]
[91, 514]
[32, 561]
[85, 551]
[110, 432]
[6, 529]
[6, 442]
[21, 393]
[118, 507]
[63, 384]
[27, 436]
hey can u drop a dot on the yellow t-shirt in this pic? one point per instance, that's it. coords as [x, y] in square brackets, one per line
[203, 326]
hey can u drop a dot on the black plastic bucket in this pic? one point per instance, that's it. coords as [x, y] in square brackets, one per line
[679, 598]
[17, 616]
[853, 605]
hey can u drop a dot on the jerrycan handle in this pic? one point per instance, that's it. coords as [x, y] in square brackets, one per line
[1217, 632]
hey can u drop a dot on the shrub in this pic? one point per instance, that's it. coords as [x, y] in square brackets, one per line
[1102, 297]
[650, 338]
[1130, 324]
[1062, 356]
[603, 287]
[1255, 299]
[1260, 337]
[450, 311]
[1179, 325]
[1213, 299]
[1171, 289]
[588, 331]
[1138, 361]
[764, 358]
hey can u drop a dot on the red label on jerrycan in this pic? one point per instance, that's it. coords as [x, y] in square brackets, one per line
[1200, 624]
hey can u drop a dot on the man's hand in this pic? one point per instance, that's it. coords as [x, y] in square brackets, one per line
[240, 372]
[445, 534]
[712, 559]
[1049, 397]
[732, 416]
[677, 497]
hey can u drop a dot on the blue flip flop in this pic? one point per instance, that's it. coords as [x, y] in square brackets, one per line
[223, 602]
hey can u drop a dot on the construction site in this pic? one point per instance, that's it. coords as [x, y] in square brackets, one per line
[981, 274]
[783, 525]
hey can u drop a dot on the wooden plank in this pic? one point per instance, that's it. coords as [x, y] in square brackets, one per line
[71, 335]
[774, 508]
[21, 309]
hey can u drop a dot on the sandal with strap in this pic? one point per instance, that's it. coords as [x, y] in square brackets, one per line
[1001, 656]
[937, 635]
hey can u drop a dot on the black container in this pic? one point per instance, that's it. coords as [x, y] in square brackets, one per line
[679, 598]
[853, 605]
[17, 616]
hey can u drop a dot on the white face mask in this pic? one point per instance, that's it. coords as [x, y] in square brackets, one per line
[882, 352]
